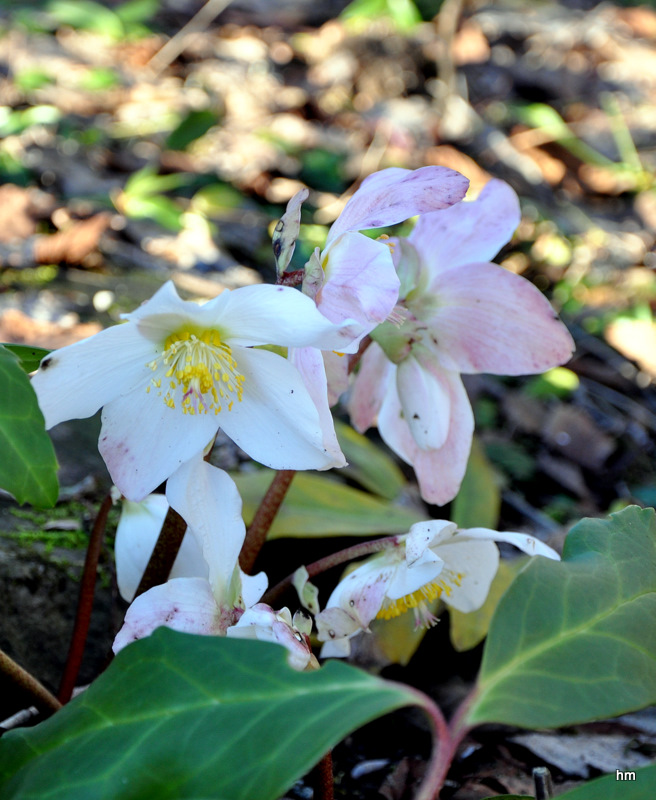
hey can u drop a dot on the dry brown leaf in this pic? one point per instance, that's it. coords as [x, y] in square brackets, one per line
[19, 328]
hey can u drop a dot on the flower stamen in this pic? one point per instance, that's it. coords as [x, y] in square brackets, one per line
[419, 599]
[201, 372]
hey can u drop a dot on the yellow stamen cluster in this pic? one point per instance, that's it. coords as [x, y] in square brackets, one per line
[201, 371]
[428, 592]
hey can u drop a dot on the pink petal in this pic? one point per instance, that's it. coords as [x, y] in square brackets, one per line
[183, 604]
[309, 362]
[393, 195]
[425, 400]
[337, 374]
[468, 231]
[371, 384]
[439, 471]
[361, 282]
[490, 320]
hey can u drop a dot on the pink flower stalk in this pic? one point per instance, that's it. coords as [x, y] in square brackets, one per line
[458, 314]
[354, 277]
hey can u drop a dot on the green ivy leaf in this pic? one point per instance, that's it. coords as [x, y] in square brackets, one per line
[317, 505]
[28, 467]
[575, 641]
[179, 716]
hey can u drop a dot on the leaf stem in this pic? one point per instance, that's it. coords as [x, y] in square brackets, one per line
[85, 602]
[43, 699]
[263, 519]
[164, 554]
[322, 778]
[333, 560]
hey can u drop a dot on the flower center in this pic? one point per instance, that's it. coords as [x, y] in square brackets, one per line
[202, 375]
[418, 599]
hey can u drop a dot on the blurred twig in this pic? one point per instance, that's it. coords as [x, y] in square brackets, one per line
[172, 49]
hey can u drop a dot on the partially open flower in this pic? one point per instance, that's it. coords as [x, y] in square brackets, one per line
[459, 314]
[263, 623]
[435, 560]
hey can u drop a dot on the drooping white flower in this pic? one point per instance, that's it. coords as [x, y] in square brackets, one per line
[211, 592]
[435, 559]
[459, 314]
[175, 372]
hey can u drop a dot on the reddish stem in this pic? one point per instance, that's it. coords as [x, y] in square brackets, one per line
[85, 603]
[322, 778]
[264, 516]
[165, 552]
[43, 700]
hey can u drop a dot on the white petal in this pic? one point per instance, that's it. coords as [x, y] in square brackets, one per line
[143, 441]
[277, 423]
[375, 377]
[477, 564]
[252, 587]
[490, 320]
[527, 544]
[136, 535]
[361, 281]
[74, 382]
[425, 400]
[183, 604]
[393, 195]
[424, 534]
[280, 315]
[361, 592]
[468, 231]
[310, 364]
[209, 502]
[335, 623]
[340, 648]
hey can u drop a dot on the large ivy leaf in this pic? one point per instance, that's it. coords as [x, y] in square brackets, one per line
[368, 464]
[637, 785]
[180, 716]
[317, 505]
[576, 641]
[28, 467]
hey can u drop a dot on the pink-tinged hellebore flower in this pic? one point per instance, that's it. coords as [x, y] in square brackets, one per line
[212, 594]
[263, 623]
[434, 560]
[175, 372]
[354, 277]
[461, 314]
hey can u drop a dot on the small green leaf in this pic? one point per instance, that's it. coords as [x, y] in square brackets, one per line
[180, 716]
[478, 502]
[86, 15]
[192, 127]
[637, 785]
[368, 464]
[575, 641]
[28, 467]
[30, 357]
[317, 505]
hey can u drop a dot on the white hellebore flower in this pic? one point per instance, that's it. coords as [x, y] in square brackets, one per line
[434, 560]
[176, 371]
[212, 591]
